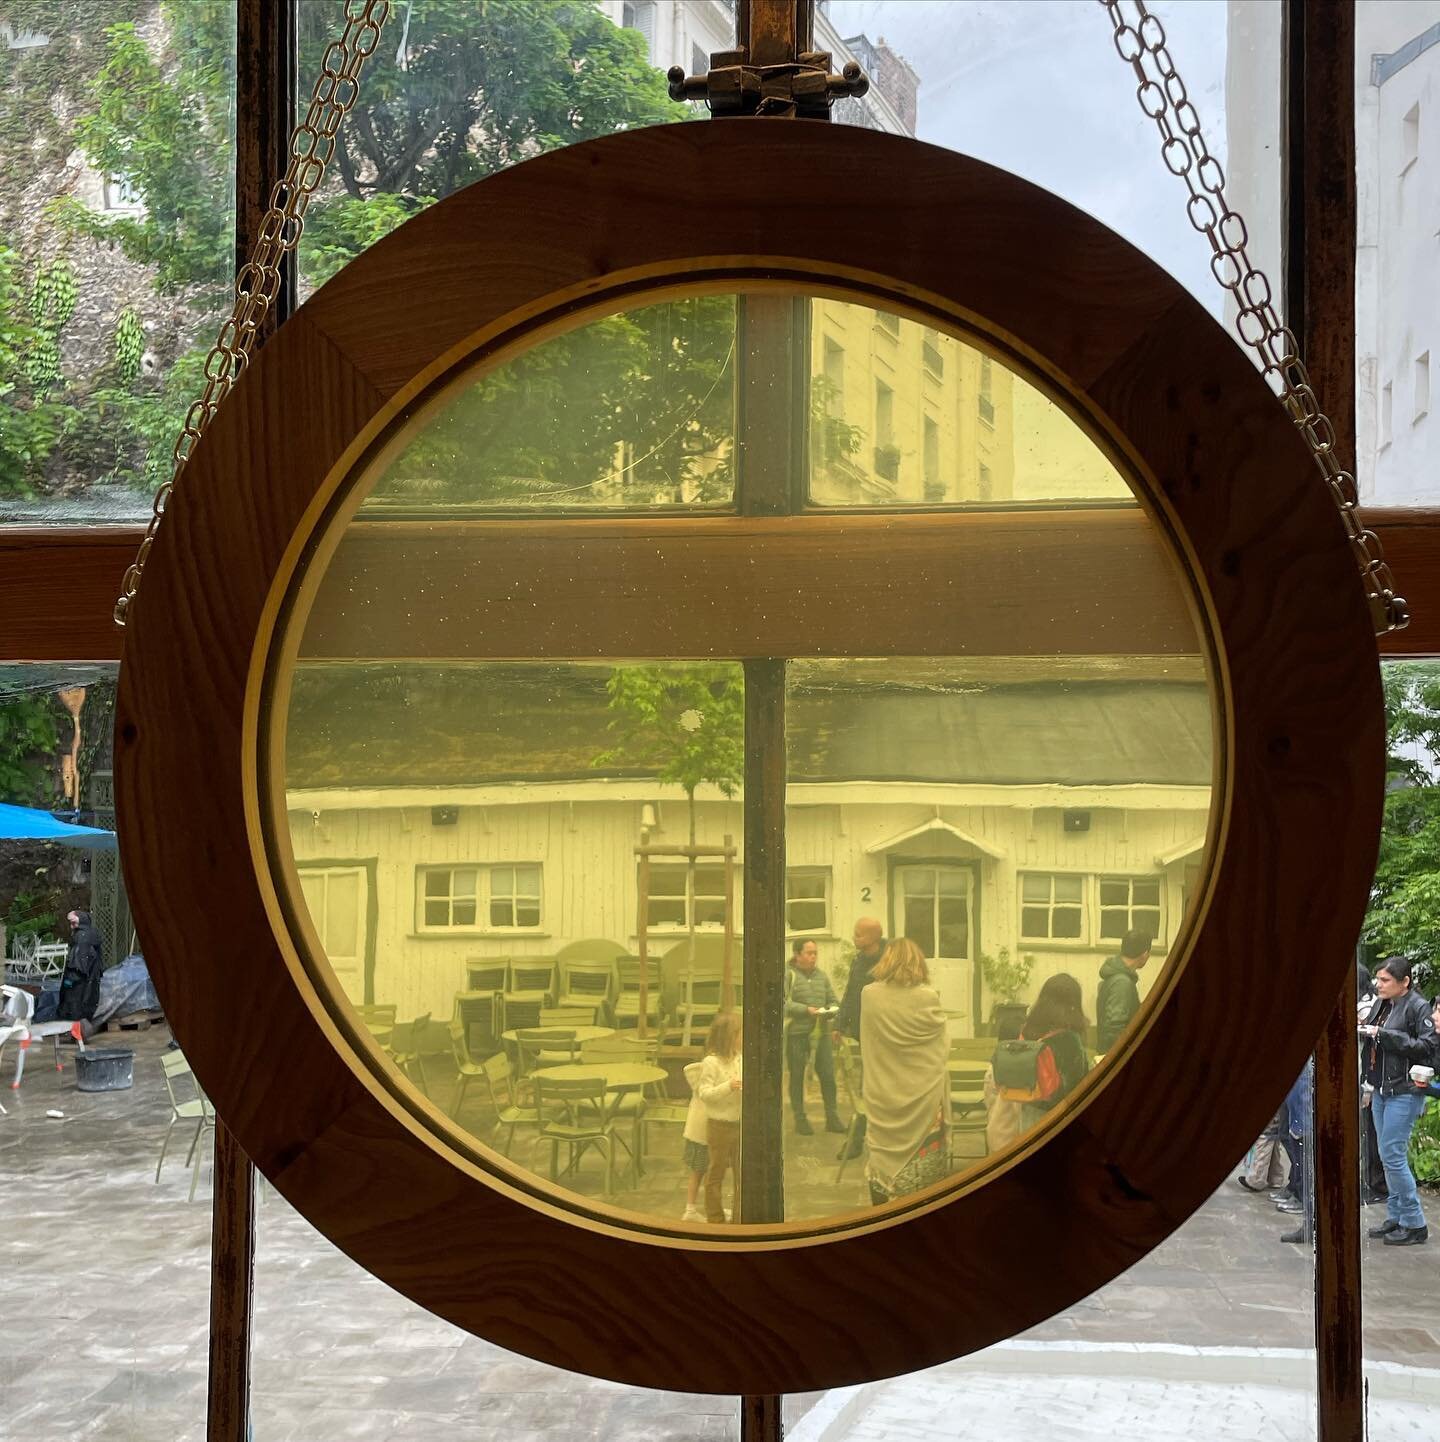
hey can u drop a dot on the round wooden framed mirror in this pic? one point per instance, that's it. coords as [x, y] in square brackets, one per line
[587, 421]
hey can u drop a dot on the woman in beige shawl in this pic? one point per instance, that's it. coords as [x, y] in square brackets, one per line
[904, 1048]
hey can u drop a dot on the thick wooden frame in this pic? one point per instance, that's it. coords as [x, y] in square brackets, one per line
[1150, 372]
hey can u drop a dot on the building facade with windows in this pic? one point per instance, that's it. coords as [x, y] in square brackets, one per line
[933, 808]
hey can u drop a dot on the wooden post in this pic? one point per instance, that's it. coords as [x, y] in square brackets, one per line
[266, 45]
[727, 979]
[643, 940]
[1320, 219]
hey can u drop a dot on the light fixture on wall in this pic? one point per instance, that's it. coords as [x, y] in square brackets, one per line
[650, 816]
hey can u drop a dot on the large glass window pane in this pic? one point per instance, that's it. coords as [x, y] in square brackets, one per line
[1038, 89]
[1397, 317]
[903, 415]
[117, 221]
[336, 1353]
[1400, 1119]
[105, 1152]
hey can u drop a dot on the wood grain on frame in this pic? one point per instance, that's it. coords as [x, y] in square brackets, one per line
[417, 1202]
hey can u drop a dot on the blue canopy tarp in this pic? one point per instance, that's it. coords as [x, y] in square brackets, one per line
[24, 823]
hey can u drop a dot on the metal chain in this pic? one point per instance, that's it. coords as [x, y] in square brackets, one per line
[312, 144]
[1162, 95]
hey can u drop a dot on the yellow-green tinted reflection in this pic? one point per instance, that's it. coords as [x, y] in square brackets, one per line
[902, 414]
[632, 410]
[527, 878]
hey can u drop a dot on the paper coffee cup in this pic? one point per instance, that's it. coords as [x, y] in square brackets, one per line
[1422, 1076]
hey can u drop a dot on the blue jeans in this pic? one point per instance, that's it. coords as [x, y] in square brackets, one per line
[1395, 1118]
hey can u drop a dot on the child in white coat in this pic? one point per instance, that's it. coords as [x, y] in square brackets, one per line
[718, 1087]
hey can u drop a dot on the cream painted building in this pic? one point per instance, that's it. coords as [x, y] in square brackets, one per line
[1046, 818]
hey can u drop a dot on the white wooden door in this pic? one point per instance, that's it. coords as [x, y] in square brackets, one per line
[934, 907]
[336, 896]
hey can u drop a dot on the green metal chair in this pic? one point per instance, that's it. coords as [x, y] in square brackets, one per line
[500, 1082]
[544, 1047]
[531, 984]
[466, 1067]
[627, 1001]
[407, 1048]
[573, 1115]
[586, 982]
[195, 1109]
[966, 1087]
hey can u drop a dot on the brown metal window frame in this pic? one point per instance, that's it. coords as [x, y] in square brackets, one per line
[57, 588]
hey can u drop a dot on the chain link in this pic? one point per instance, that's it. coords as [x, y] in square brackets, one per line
[1163, 97]
[312, 144]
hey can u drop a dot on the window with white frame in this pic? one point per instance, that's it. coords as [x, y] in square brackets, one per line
[122, 194]
[1052, 907]
[677, 891]
[514, 896]
[1129, 903]
[807, 899]
[468, 898]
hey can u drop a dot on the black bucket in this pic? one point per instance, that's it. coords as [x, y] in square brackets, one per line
[105, 1069]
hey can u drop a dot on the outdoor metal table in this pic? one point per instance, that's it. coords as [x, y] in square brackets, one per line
[619, 1077]
[582, 1033]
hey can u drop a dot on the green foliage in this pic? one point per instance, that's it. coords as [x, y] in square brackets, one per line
[1005, 978]
[633, 408]
[33, 913]
[29, 423]
[1425, 1146]
[686, 720]
[458, 90]
[1404, 914]
[167, 130]
[338, 229]
[129, 345]
[52, 303]
[834, 442]
[28, 738]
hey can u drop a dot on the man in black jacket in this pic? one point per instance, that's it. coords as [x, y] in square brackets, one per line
[870, 946]
[1118, 998]
[84, 963]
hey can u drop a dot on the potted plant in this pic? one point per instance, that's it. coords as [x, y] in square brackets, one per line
[1006, 979]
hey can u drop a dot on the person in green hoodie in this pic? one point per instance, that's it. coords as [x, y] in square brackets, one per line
[1118, 998]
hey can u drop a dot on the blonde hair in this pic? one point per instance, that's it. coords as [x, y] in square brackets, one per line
[723, 1038]
[902, 965]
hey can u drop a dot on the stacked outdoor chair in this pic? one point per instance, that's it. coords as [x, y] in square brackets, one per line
[627, 1000]
[531, 984]
[699, 1004]
[586, 983]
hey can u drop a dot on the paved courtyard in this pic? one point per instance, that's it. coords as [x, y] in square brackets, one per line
[103, 1315]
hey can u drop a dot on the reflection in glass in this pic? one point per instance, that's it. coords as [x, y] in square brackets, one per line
[992, 834]
[527, 878]
[905, 415]
[635, 409]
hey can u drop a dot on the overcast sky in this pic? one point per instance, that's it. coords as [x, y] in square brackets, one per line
[1035, 86]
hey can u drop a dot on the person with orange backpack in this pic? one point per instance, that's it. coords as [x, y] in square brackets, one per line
[1049, 1060]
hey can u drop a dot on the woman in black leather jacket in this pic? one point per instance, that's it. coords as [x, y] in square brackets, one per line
[1397, 1033]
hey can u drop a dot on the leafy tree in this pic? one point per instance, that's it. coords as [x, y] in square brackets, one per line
[28, 738]
[456, 90]
[687, 721]
[1404, 914]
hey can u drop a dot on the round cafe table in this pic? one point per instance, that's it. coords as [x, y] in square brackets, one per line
[581, 1033]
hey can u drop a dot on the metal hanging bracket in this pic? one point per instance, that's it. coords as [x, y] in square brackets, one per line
[804, 87]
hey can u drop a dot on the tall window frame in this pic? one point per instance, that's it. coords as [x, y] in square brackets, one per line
[59, 583]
